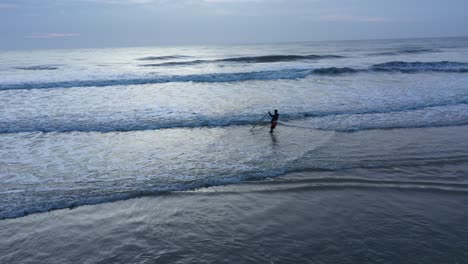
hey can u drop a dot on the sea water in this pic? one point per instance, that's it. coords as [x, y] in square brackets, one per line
[94, 126]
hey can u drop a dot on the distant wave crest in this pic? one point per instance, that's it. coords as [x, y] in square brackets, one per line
[404, 51]
[279, 58]
[209, 77]
[408, 67]
[251, 59]
[335, 71]
[152, 58]
[38, 68]
[176, 63]
[284, 74]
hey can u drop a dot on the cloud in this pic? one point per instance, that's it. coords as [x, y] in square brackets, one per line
[350, 18]
[51, 35]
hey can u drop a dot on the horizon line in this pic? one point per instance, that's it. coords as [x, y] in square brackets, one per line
[227, 44]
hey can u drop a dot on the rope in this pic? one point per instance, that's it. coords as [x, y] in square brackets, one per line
[260, 127]
[303, 127]
[258, 122]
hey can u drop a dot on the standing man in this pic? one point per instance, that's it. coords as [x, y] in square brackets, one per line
[274, 120]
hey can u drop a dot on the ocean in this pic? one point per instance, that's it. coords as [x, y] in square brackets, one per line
[147, 154]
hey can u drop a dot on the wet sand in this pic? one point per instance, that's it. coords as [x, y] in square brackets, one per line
[279, 222]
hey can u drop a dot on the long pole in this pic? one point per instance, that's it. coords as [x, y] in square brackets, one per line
[258, 122]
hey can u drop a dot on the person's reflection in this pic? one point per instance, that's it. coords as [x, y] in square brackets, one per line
[274, 140]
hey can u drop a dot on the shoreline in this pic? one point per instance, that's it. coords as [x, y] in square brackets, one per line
[228, 226]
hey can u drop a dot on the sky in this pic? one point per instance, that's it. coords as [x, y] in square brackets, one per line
[38, 24]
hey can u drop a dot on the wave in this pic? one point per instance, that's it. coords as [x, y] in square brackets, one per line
[209, 78]
[404, 51]
[235, 184]
[325, 183]
[287, 74]
[37, 68]
[335, 71]
[279, 58]
[338, 180]
[392, 66]
[344, 121]
[284, 74]
[69, 199]
[412, 67]
[360, 186]
[178, 63]
[435, 116]
[252, 59]
[152, 58]
[416, 163]
[128, 124]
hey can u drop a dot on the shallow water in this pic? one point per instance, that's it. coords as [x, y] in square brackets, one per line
[282, 223]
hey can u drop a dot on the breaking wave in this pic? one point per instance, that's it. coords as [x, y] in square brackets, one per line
[240, 183]
[404, 51]
[434, 116]
[38, 68]
[409, 67]
[278, 58]
[209, 77]
[61, 199]
[345, 121]
[253, 59]
[177, 63]
[284, 74]
[152, 58]
[335, 71]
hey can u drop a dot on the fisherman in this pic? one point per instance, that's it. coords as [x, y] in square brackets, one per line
[274, 120]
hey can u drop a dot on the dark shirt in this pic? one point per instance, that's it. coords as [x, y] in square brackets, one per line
[274, 117]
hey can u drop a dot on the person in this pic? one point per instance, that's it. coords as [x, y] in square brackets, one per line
[274, 120]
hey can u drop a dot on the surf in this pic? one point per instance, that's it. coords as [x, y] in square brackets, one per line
[248, 59]
[268, 75]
